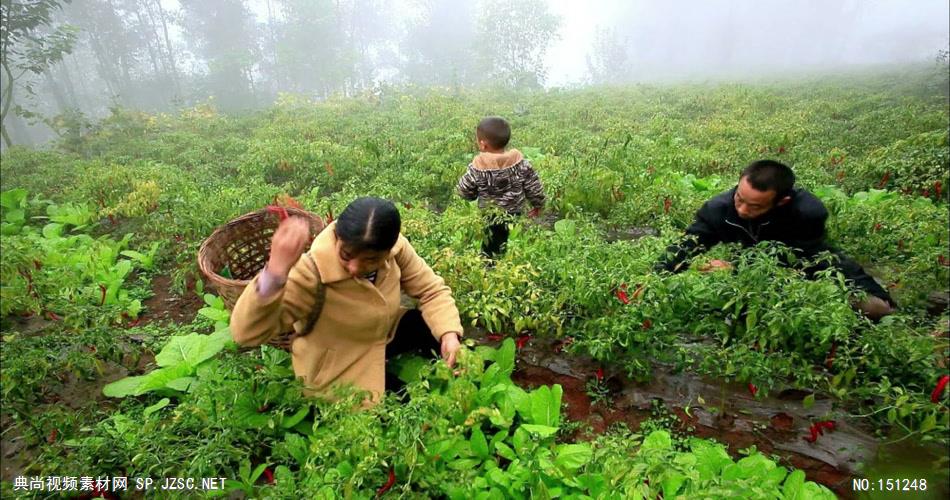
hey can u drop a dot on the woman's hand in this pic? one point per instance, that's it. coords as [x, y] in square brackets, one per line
[450, 348]
[289, 242]
[715, 265]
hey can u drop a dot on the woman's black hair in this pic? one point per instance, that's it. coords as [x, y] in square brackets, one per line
[369, 224]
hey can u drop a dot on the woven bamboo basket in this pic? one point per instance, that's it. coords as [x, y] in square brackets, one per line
[241, 248]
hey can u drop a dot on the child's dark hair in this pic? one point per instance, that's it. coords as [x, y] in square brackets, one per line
[369, 224]
[495, 131]
[770, 175]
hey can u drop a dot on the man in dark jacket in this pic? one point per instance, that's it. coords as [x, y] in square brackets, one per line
[765, 206]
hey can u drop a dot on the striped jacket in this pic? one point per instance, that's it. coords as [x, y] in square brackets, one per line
[502, 179]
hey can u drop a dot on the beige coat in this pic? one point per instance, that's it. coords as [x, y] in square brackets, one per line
[348, 341]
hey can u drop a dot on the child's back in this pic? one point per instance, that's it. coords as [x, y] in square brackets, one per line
[505, 179]
[499, 178]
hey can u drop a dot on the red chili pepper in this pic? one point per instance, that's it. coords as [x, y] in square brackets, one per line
[938, 391]
[829, 361]
[938, 188]
[877, 227]
[134, 323]
[280, 212]
[621, 294]
[53, 316]
[389, 483]
[268, 476]
[818, 428]
[753, 389]
[102, 293]
[52, 436]
[925, 193]
[781, 149]
[667, 203]
[494, 337]
[826, 424]
[813, 434]
[522, 340]
[884, 179]
[646, 324]
[599, 374]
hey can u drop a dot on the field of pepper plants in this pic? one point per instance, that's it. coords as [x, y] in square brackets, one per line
[586, 375]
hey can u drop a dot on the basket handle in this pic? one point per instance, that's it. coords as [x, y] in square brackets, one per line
[281, 212]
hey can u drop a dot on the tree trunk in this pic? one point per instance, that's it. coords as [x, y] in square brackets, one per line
[7, 103]
[169, 50]
[6, 137]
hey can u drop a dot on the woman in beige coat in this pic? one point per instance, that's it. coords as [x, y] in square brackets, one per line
[362, 262]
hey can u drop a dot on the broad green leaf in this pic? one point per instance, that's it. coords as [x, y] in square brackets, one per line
[216, 315]
[160, 378]
[505, 451]
[572, 456]
[565, 228]
[541, 430]
[257, 472]
[246, 415]
[190, 349]
[521, 441]
[15, 216]
[672, 483]
[546, 405]
[479, 443]
[408, 368]
[505, 357]
[498, 477]
[595, 484]
[792, 489]
[180, 384]
[288, 422]
[122, 387]
[657, 440]
[13, 198]
[464, 464]
[157, 406]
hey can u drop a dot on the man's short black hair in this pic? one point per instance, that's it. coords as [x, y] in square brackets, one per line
[770, 175]
[495, 131]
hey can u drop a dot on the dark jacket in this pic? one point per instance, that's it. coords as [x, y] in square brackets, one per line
[505, 180]
[799, 224]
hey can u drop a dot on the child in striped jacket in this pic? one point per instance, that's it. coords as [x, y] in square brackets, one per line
[502, 179]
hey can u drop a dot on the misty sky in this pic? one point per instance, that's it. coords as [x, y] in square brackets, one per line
[697, 38]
